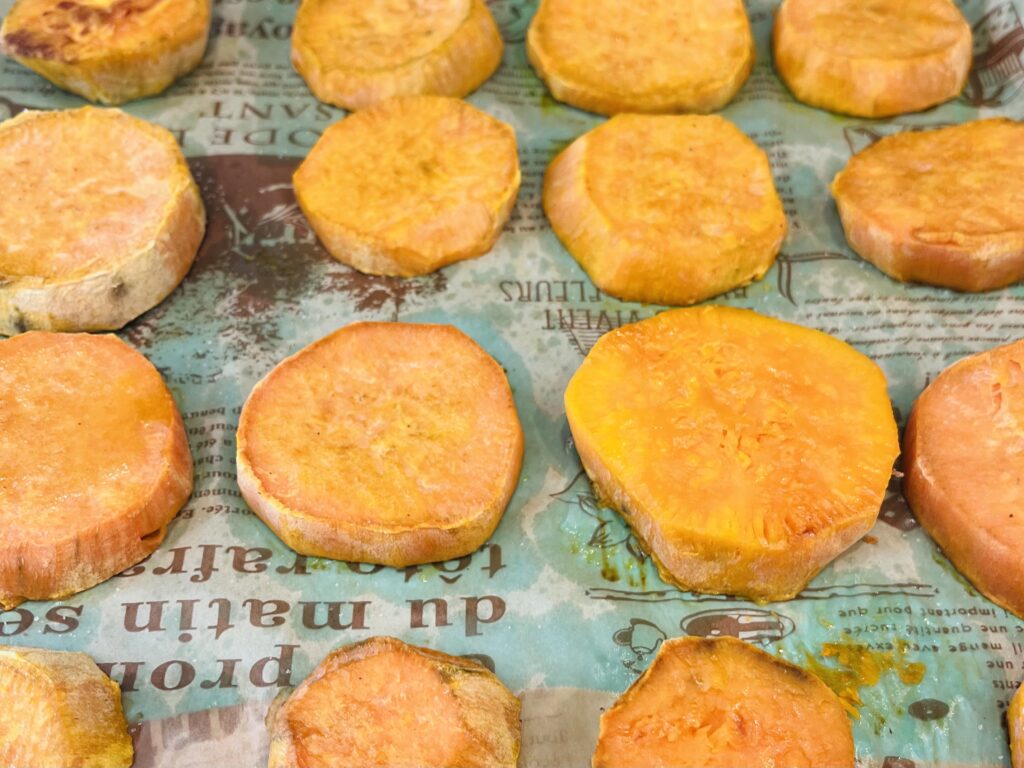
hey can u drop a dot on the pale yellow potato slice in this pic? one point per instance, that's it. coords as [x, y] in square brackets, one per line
[110, 51]
[608, 56]
[944, 207]
[389, 443]
[100, 222]
[354, 53]
[60, 711]
[872, 58]
[410, 185]
[382, 702]
[94, 462]
[666, 209]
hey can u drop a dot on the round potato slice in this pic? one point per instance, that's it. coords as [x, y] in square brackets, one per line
[941, 207]
[964, 464]
[94, 463]
[387, 443]
[745, 453]
[110, 51]
[100, 222]
[607, 56]
[410, 185]
[666, 209]
[720, 703]
[384, 703]
[1015, 720]
[872, 58]
[354, 53]
[60, 711]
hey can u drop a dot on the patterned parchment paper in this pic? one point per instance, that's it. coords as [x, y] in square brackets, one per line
[561, 603]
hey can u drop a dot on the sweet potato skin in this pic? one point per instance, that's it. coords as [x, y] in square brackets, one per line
[80, 722]
[843, 73]
[456, 67]
[963, 466]
[64, 527]
[955, 225]
[721, 703]
[472, 722]
[719, 473]
[429, 527]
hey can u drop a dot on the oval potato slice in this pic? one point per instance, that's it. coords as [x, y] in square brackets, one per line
[101, 219]
[110, 51]
[721, 703]
[94, 463]
[744, 452]
[60, 711]
[1015, 720]
[410, 185]
[872, 58]
[607, 56]
[354, 53]
[666, 209]
[964, 462]
[941, 207]
[387, 443]
[384, 703]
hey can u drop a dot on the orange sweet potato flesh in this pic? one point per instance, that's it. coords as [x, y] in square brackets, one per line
[964, 463]
[94, 462]
[392, 443]
[720, 703]
[385, 703]
[745, 452]
[60, 711]
[1015, 721]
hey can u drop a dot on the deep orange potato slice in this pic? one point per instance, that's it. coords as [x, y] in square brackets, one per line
[1015, 720]
[746, 453]
[111, 51]
[100, 222]
[60, 711]
[354, 53]
[964, 464]
[94, 463]
[666, 209]
[609, 57]
[872, 58]
[410, 185]
[721, 703]
[387, 443]
[941, 206]
[384, 703]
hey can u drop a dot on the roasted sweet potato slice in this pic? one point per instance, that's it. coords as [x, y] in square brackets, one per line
[964, 464]
[111, 51]
[384, 703]
[386, 443]
[872, 59]
[666, 209]
[354, 54]
[940, 206]
[1015, 721]
[410, 185]
[656, 56]
[720, 703]
[745, 452]
[59, 711]
[100, 222]
[94, 463]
